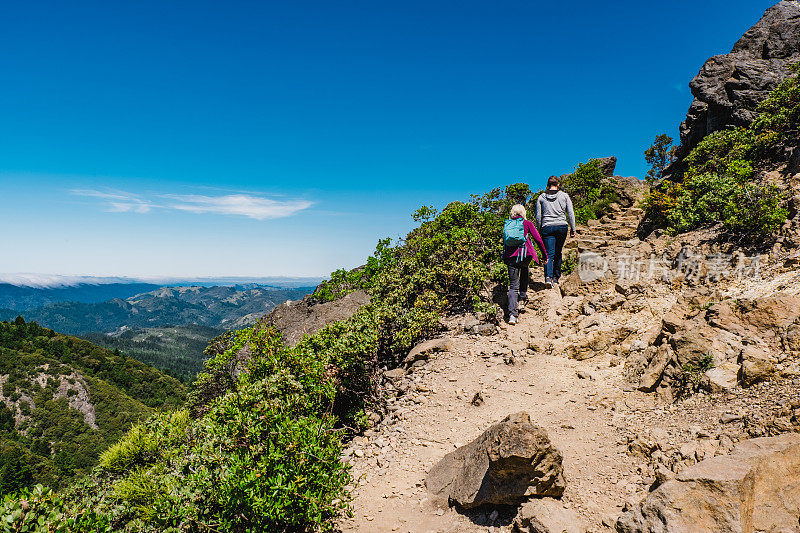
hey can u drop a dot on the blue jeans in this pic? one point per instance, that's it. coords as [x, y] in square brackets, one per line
[554, 238]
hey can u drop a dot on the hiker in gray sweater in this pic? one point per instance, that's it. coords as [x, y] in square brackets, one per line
[554, 216]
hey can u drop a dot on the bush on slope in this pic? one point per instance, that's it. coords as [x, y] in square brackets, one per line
[718, 184]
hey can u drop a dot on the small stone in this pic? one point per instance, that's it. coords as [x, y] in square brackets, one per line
[727, 418]
[477, 399]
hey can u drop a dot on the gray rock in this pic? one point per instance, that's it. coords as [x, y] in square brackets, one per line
[756, 488]
[510, 462]
[607, 165]
[298, 318]
[423, 350]
[547, 516]
[485, 329]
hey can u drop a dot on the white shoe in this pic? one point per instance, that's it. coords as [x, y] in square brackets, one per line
[512, 320]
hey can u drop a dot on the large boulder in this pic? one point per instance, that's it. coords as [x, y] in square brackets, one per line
[729, 87]
[607, 165]
[693, 342]
[756, 488]
[294, 319]
[630, 190]
[510, 462]
[424, 349]
[757, 365]
[769, 318]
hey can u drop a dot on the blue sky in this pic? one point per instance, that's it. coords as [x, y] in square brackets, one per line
[285, 138]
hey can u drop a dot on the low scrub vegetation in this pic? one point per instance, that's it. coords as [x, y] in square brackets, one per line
[64, 400]
[718, 183]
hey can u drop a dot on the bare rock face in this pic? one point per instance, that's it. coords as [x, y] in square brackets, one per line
[301, 317]
[729, 87]
[607, 165]
[547, 516]
[510, 462]
[424, 349]
[756, 488]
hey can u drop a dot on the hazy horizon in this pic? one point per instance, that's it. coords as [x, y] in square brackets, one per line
[57, 281]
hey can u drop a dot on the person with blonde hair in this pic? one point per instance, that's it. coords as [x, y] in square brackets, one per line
[518, 252]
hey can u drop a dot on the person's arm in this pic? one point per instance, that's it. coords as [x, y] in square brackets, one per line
[537, 238]
[539, 212]
[570, 215]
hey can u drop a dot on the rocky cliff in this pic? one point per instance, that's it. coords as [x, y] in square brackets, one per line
[729, 87]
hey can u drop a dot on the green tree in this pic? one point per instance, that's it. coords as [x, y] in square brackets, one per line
[658, 156]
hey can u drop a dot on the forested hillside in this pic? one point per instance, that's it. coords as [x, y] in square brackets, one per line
[64, 400]
[176, 350]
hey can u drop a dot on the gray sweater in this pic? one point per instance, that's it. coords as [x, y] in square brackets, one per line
[554, 208]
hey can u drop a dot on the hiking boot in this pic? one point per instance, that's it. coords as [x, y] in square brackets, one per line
[548, 282]
[512, 320]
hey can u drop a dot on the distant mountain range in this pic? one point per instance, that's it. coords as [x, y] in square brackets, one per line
[64, 400]
[215, 307]
[23, 298]
[164, 326]
[22, 292]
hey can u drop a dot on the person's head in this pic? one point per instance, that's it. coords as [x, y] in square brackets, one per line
[552, 183]
[518, 211]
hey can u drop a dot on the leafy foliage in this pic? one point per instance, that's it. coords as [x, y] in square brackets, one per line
[690, 377]
[40, 510]
[658, 156]
[263, 456]
[717, 185]
[590, 192]
[44, 438]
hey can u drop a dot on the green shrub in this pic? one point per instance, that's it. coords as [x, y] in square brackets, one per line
[589, 190]
[717, 183]
[39, 510]
[689, 378]
[145, 442]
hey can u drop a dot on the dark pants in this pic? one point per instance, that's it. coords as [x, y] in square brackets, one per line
[554, 238]
[518, 284]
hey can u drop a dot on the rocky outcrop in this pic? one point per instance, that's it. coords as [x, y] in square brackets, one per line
[729, 87]
[510, 462]
[756, 488]
[547, 516]
[630, 190]
[424, 349]
[301, 317]
[733, 342]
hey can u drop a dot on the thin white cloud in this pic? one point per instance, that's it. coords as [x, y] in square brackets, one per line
[118, 201]
[256, 207]
[247, 205]
[48, 281]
